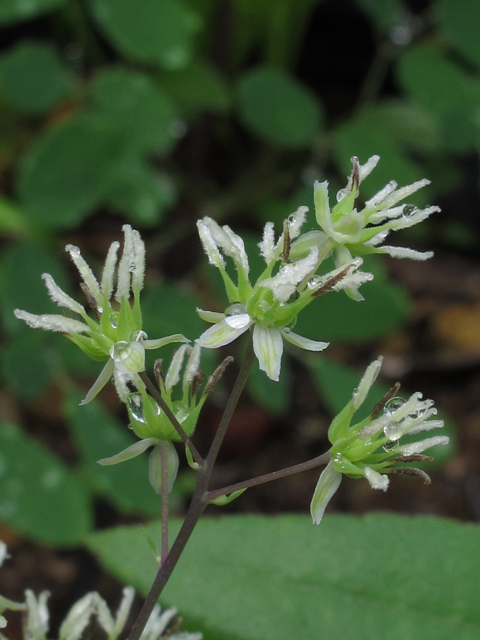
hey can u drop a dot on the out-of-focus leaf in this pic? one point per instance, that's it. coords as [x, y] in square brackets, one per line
[435, 83]
[159, 31]
[98, 435]
[33, 78]
[273, 396]
[258, 578]
[12, 218]
[369, 135]
[336, 382]
[68, 171]
[197, 87]
[29, 363]
[335, 317]
[39, 497]
[384, 13]
[24, 263]
[140, 193]
[134, 104]
[459, 21]
[17, 10]
[278, 108]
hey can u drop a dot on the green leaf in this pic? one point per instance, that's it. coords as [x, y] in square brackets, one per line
[33, 78]
[68, 171]
[39, 497]
[15, 11]
[25, 263]
[133, 104]
[196, 88]
[140, 193]
[334, 317]
[98, 435]
[385, 14]
[273, 396]
[29, 363]
[12, 218]
[278, 108]
[257, 578]
[459, 21]
[436, 84]
[159, 31]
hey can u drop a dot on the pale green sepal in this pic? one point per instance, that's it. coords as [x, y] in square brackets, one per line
[327, 485]
[162, 342]
[129, 357]
[78, 618]
[210, 316]
[366, 382]
[100, 382]
[191, 462]
[36, 625]
[268, 347]
[221, 334]
[339, 427]
[322, 205]
[223, 500]
[155, 465]
[130, 452]
[303, 343]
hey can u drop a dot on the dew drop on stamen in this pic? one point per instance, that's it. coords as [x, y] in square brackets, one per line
[314, 282]
[393, 405]
[390, 446]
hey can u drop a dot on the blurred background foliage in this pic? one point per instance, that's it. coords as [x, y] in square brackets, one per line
[158, 112]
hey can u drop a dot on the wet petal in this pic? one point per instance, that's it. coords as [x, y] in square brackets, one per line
[60, 297]
[366, 382]
[376, 480]
[109, 270]
[304, 343]
[222, 333]
[162, 342]
[210, 316]
[52, 322]
[268, 347]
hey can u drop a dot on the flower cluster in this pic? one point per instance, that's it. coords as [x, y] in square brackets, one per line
[36, 624]
[371, 448]
[116, 334]
[349, 232]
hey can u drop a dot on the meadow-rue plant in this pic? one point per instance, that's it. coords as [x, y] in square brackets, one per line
[371, 448]
[165, 413]
[116, 334]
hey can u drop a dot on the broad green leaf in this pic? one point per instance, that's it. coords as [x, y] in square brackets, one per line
[39, 497]
[336, 382]
[196, 88]
[16, 10]
[335, 317]
[134, 104]
[140, 193]
[278, 108]
[68, 171]
[25, 263]
[159, 31]
[459, 22]
[257, 578]
[385, 14]
[29, 363]
[437, 84]
[33, 78]
[98, 435]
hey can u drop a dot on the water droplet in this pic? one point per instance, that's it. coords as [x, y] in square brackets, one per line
[292, 219]
[235, 309]
[393, 405]
[393, 430]
[129, 426]
[408, 210]
[339, 461]
[140, 335]
[135, 406]
[314, 282]
[181, 412]
[390, 446]
[114, 319]
[341, 194]
[262, 305]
